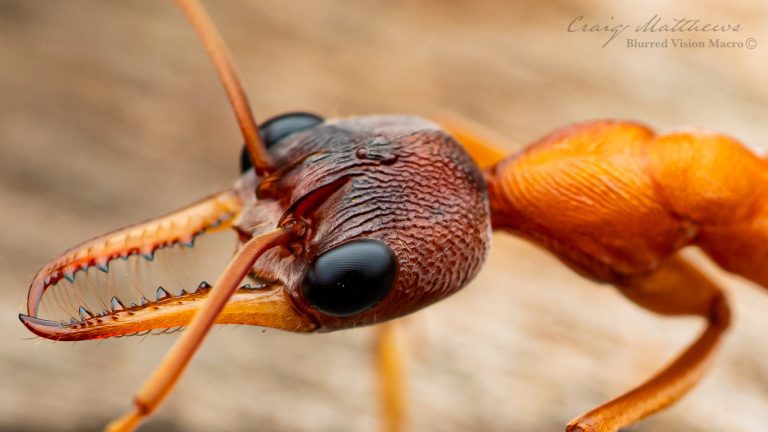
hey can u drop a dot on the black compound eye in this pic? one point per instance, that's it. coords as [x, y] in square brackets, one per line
[277, 128]
[350, 278]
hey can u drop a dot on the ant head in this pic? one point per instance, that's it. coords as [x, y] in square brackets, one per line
[396, 215]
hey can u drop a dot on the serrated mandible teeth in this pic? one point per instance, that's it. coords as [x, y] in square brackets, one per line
[116, 304]
[103, 266]
[161, 294]
[84, 313]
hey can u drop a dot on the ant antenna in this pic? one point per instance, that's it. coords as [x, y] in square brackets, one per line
[222, 61]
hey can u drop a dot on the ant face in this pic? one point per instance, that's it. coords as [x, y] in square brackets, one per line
[394, 217]
[396, 213]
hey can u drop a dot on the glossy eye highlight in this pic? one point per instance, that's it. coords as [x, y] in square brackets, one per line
[350, 278]
[279, 127]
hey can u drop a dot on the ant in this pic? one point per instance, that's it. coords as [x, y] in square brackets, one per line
[359, 221]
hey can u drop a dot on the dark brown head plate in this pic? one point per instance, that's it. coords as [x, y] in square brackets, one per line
[397, 180]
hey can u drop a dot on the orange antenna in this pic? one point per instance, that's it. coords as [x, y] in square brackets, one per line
[222, 61]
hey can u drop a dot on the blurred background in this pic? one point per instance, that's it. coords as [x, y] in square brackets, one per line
[111, 113]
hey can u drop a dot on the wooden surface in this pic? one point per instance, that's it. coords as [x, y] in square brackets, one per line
[110, 113]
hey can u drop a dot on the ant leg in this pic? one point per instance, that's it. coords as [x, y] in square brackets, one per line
[390, 356]
[160, 384]
[677, 288]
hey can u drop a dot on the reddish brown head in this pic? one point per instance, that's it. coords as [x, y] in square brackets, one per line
[395, 213]
[397, 180]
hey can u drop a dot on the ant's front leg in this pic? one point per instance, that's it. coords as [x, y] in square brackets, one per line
[390, 356]
[677, 288]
